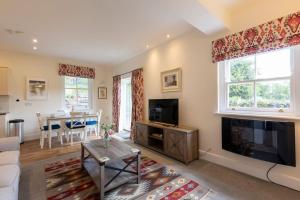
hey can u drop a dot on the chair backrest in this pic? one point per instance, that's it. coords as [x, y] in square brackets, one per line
[75, 121]
[40, 120]
[99, 114]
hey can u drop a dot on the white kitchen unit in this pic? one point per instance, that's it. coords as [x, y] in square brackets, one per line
[4, 81]
[3, 125]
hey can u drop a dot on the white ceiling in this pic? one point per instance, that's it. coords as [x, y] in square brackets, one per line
[102, 31]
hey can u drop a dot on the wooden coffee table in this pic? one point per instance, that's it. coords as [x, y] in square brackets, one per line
[107, 166]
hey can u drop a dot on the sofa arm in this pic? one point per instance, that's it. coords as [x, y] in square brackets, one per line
[9, 144]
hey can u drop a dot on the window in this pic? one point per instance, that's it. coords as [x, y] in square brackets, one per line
[260, 82]
[77, 93]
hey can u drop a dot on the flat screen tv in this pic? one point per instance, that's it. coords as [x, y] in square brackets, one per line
[264, 140]
[164, 111]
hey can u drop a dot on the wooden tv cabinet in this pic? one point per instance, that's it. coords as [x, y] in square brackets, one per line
[180, 143]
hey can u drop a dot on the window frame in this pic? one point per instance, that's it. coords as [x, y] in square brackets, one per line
[223, 89]
[90, 94]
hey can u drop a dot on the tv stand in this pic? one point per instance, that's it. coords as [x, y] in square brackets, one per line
[179, 142]
[164, 124]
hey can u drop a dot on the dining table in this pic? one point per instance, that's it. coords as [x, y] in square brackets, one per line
[62, 118]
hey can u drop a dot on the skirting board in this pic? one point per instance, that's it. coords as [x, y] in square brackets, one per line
[280, 178]
[29, 137]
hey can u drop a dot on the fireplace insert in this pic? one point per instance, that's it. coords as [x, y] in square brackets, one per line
[264, 140]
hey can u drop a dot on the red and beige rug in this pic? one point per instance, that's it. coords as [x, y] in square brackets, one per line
[66, 180]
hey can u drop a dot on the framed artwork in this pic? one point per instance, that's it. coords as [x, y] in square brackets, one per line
[171, 80]
[102, 93]
[36, 89]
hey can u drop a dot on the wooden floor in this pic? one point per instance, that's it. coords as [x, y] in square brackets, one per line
[31, 150]
[226, 183]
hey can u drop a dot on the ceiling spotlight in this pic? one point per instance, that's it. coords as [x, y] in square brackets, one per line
[34, 48]
[35, 40]
[147, 46]
[168, 36]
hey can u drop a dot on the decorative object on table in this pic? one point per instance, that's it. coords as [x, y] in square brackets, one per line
[102, 93]
[108, 132]
[36, 89]
[171, 80]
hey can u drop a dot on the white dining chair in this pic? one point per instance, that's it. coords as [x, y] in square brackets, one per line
[94, 124]
[45, 131]
[76, 125]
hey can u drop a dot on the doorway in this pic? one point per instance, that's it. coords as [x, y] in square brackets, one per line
[125, 107]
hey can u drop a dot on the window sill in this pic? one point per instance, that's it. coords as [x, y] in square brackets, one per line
[258, 115]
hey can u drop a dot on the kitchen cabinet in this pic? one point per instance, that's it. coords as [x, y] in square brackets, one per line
[4, 81]
[2, 125]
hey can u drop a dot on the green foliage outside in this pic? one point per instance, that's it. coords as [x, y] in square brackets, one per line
[274, 94]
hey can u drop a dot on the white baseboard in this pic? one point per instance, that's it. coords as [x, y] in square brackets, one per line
[28, 137]
[276, 176]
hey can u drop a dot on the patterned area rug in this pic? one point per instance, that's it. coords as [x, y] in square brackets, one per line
[66, 180]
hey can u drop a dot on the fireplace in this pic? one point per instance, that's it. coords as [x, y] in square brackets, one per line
[264, 140]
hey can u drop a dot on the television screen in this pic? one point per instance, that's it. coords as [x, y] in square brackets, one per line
[265, 140]
[163, 111]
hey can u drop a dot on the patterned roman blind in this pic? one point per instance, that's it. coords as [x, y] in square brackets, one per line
[279, 33]
[76, 71]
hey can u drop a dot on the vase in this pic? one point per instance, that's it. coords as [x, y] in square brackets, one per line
[106, 140]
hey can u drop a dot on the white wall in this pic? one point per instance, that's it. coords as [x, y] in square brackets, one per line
[27, 65]
[198, 98]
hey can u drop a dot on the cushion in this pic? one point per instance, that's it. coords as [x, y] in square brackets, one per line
[9, 157]
[54, 126]
[76, 124]
[8, 175]
[9, 193]
[92, 122]
[9, 144]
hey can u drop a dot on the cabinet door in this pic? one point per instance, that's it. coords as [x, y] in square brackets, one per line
[141, 134]
[2, 126]
[4, 81]
[175, 144]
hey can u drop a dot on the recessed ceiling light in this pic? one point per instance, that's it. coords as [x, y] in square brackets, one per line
[34, 48]
[147, 46]
[35, 40]
[168, 36]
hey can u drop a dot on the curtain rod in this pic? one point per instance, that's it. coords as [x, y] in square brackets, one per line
[127, 72]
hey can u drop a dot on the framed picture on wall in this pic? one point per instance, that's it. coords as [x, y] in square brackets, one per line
[102, 93]
[36, 89]
[171, 80]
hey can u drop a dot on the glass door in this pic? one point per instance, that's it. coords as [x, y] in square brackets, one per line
[126, 103]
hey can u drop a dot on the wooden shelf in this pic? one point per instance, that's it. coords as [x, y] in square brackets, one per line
[155, 137]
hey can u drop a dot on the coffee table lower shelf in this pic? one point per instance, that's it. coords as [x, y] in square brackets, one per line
[92, 167]
[107, 166]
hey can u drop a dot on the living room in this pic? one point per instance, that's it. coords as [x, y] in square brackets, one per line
[152, 40]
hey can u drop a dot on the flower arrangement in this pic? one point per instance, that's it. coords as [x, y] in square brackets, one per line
[108, 132]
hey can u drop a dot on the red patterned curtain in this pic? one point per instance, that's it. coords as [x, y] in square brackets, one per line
[116, 101]
[279, 33]
[76, 71]
[137, 82]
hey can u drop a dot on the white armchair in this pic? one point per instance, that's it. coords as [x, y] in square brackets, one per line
[9, 168]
